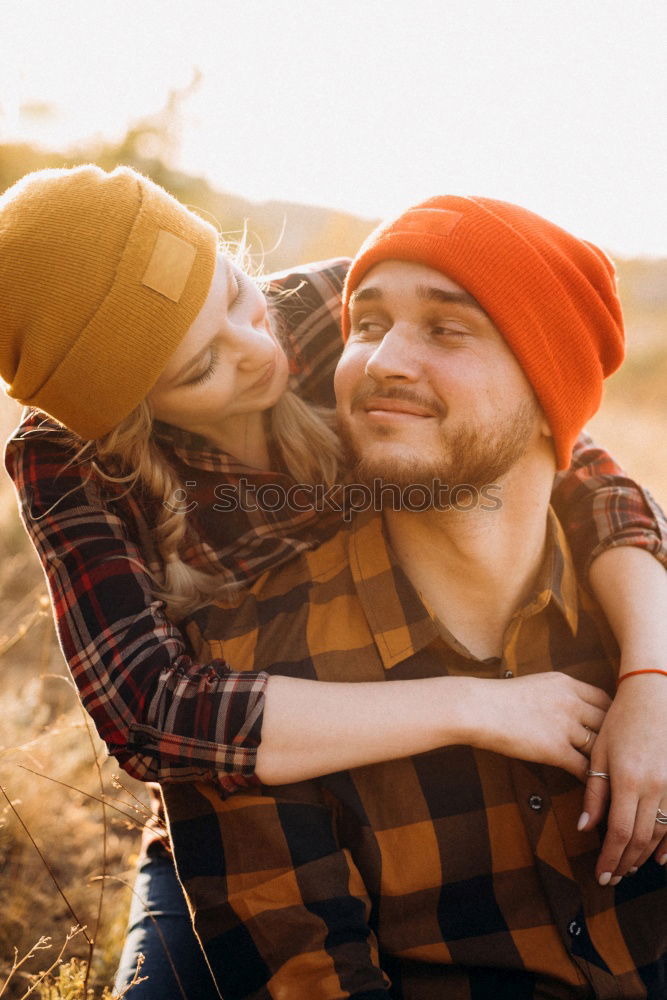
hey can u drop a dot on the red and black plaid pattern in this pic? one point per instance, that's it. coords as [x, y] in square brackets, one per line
[455, 874]
[163, 714]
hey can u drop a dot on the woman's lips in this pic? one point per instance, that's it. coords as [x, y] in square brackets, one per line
[264, 379]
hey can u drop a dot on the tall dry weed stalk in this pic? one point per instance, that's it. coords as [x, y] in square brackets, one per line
[54, 850]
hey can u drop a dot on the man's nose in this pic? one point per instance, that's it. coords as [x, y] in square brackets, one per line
[395, 357]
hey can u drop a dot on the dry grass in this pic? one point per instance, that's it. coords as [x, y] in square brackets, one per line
[44, 729]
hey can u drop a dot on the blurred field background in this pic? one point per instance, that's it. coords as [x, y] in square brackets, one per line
[42, 727]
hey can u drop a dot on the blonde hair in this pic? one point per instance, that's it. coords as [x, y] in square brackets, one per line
[308, 446]
[130, 456]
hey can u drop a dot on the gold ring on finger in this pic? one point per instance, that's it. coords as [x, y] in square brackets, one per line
[597, 774]
[589, 736]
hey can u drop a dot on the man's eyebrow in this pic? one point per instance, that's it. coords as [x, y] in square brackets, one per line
[426, 292]
[462, 298]
[364, 294]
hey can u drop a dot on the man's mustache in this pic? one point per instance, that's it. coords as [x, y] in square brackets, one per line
[403, 393]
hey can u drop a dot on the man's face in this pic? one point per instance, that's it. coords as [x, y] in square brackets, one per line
[426, 387]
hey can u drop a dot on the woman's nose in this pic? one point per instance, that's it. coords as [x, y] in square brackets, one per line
[252, 344]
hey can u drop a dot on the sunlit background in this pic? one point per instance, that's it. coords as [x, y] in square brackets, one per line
[368, 105]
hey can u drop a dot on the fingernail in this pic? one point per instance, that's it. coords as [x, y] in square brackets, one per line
[615, 880]
[605, 878]
[633, 871]
[583, 820]
[662, 859]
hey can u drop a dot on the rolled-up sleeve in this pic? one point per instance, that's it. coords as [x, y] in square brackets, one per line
[601, 507]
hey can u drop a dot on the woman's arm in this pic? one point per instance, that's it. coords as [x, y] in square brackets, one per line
[315, 727]
[166, 717]
[162, 715]
[616, 529]
[632, 745]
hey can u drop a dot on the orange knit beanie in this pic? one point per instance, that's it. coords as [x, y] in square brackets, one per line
[101, 275]
[552, 296]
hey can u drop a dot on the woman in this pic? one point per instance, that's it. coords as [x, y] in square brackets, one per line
[118, 310]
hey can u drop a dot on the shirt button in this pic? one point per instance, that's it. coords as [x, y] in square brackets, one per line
[508, 673]
[574, 928]
[535, 802]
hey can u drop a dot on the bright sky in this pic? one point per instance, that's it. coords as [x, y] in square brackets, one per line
[370, 105]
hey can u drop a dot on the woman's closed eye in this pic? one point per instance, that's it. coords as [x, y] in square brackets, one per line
[242, 283]
[207, 373]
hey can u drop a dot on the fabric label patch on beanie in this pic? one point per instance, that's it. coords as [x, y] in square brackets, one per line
[170, 265]
[436, 221]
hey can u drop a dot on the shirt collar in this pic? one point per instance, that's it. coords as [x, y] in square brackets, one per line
[397, 617]
[400, 623]
[199, 452]
[556, 580]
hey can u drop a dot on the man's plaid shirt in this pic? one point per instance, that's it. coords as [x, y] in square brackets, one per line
[163, 714]
[458, 874]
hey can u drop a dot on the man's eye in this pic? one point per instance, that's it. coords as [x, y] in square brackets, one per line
[448, 330]
[369, 328]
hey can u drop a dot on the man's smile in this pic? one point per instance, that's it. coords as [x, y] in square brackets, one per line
[388, 408]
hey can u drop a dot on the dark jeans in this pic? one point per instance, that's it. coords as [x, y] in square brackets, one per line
[159, 891]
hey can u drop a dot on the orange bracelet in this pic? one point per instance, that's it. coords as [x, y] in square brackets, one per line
[634, 673]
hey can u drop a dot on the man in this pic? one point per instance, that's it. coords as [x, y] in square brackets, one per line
[478, 336]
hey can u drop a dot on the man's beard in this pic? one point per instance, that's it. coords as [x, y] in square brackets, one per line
[471, 455]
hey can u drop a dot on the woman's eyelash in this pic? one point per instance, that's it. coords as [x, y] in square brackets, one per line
[242, 289]
[242, 286]
[206, 375]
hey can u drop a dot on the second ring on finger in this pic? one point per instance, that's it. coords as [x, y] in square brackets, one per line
[586, 746]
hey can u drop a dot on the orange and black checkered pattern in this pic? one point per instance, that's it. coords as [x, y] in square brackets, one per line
[457, 874]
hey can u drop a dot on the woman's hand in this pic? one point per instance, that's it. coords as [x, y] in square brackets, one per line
[548, 718]
[632, 749]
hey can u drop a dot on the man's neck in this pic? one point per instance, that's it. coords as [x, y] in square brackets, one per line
[475, 568]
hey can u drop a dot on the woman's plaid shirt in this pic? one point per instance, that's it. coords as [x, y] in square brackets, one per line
[162, 714]
[459, 873]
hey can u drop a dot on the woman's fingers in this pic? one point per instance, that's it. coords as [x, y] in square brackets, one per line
[596, 798]
[620, 828]
[593, 718]
[661, 849]
[575, 762]
[594, 696]
[644, 838]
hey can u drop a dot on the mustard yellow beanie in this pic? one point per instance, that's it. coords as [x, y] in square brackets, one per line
[101, 275]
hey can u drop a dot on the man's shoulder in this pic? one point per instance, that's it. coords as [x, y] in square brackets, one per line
[324, 276]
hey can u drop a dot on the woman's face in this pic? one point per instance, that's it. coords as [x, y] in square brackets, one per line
[228, 366]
